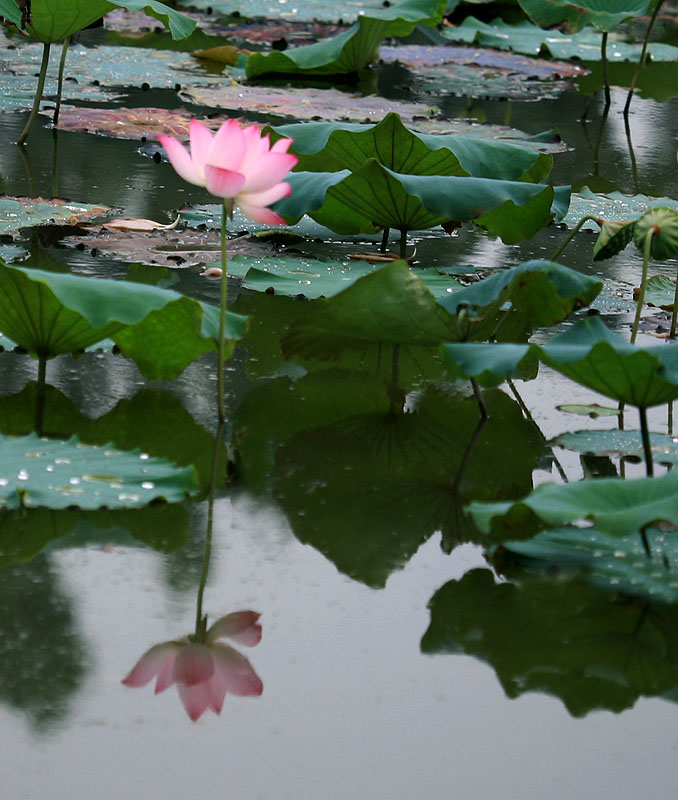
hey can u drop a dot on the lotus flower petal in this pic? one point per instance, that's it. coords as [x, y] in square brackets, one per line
[196, 699]
[193, 665]
[201, 142]
[223, 182]
[241, 626]
[152, 663]
[181, 160]
[236, 163]
[236, 671]
[204, 673]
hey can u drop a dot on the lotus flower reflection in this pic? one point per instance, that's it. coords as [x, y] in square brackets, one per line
[237, 164]
[204, 672]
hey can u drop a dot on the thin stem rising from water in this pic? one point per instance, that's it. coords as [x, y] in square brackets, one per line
[60, 84]
[573, 233]
[641, 292]
[222, 315]
[38, 94]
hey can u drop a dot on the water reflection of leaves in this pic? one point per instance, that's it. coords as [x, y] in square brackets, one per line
[23, 533]
[271, 318]
[589, 647]
[399, 475]
[44, 659]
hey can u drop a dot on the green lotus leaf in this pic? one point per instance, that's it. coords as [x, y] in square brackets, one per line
[49, 314]
[590, 354]
[332, 147]
[615, 506]
[352, 50]
[660, 291]
[24, 212]
[488, 364]
[311, 278]
[590, 647]
[613, 238]
[354, 202]
[390, 306]
[52, 20]
[603, 14]
[620, 443]
[544, 291]
[524, 37]
[37, 472]
[611, 207]
[142, 421]
[663, 223]
[618, 563]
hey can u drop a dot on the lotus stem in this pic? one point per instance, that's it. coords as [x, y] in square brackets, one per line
[643, 281]
[30, 174]
[200, 619]
[395, 369]
[477, 393]
[55, 164]
[60, 83]
[468, 452]
[603, 61]
[573, 233]
[528, 415]
[669, 421]
[222, 315]
[647, 447]
[384, 240]
[403, 243]
[38, 94]
[674, 313]
[641, 60]
[40, 395]
[632, 155]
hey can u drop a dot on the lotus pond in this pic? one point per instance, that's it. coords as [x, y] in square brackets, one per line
[418, 536]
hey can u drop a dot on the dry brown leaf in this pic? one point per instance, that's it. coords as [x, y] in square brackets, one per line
[224, 54]
[127, 224]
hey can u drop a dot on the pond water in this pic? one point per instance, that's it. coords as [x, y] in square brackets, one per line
[370, 686]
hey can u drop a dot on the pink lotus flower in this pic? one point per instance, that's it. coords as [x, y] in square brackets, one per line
[204, 672]
[237, 164]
